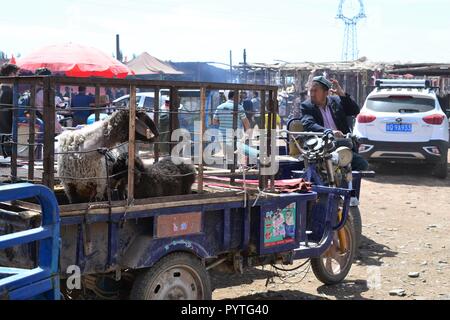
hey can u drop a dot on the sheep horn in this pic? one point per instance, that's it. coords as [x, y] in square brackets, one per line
[143, 129]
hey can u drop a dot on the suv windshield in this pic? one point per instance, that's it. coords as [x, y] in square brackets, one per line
[148, 103]
[123, 103]
[400, 104]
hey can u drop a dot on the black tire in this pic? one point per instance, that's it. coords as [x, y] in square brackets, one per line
[190, 280]
[441, 169]
[355, 215]
[319, 267]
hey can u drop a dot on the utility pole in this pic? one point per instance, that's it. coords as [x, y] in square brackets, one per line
[245, 65]
[231, 66]
[118, 53]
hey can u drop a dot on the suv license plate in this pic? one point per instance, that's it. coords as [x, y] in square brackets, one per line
[396, 127]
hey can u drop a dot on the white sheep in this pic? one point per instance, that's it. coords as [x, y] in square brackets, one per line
[82, 167]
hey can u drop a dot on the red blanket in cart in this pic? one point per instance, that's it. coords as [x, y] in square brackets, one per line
[289, 186]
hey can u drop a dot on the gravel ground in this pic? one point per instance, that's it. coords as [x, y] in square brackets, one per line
[405, 252]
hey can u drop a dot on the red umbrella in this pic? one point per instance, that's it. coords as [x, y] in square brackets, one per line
[13, 60]
[74, 61]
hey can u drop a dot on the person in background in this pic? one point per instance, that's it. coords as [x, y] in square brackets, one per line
[58, 93]
[6, 112]
[119, 93]
[83, 102]
[304, 96]
[256, 101]
[110, 95]
[296, 112]
[59, 103]
[223, 118]
[222, 97]
[282, 108]
[277, 122]
[67, 93]
[247, 105]
[164, 127]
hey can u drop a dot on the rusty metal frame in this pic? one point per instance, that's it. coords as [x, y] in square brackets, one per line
[49, 84]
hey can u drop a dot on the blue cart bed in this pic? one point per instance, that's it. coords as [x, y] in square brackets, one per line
[102, 239]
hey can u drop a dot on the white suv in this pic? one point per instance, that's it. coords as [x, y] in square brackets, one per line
[402, 121]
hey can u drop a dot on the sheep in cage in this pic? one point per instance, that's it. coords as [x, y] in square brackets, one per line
[164, 178]
[82, 165]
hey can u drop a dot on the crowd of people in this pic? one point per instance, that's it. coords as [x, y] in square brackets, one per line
[76, 105]
[314, 110]
[78, 100]
[289, 107]
[327, 108]
[6, 111]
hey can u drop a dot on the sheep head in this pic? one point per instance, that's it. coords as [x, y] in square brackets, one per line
[118, 127]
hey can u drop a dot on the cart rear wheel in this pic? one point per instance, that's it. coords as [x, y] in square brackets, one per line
[178, 276]
[333, 266]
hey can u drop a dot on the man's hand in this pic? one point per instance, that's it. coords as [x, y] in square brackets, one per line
[338, 134]
[337, 88]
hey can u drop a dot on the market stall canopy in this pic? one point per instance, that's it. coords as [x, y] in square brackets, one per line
[146, 64]
[74, 60]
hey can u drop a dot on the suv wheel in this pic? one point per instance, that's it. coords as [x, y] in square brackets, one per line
[441, 169]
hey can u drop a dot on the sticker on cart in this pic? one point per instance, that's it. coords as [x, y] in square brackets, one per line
[279, 226]
[178, 225]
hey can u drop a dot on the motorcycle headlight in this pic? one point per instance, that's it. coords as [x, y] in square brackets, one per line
[344, 156]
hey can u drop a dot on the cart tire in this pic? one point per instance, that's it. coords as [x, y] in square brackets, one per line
[321, 266]
[188, 280]
[355, 215]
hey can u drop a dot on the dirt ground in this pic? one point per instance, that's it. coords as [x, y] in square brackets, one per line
[406, 230]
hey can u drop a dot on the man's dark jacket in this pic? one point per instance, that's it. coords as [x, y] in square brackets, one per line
[248, 108]
[341, 108]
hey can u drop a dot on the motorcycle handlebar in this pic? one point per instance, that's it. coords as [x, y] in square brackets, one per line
[304, 134]
[313, 134]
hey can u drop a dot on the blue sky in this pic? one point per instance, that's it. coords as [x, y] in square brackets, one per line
[201, 30]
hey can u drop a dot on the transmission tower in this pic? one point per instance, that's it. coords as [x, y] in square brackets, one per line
[350, 19]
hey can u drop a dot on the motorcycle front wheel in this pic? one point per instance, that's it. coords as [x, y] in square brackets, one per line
[333, 266]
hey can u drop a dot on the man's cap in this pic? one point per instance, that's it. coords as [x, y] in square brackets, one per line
[323, 81]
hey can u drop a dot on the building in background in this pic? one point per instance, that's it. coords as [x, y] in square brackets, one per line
[356, 77]
[438, 73]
